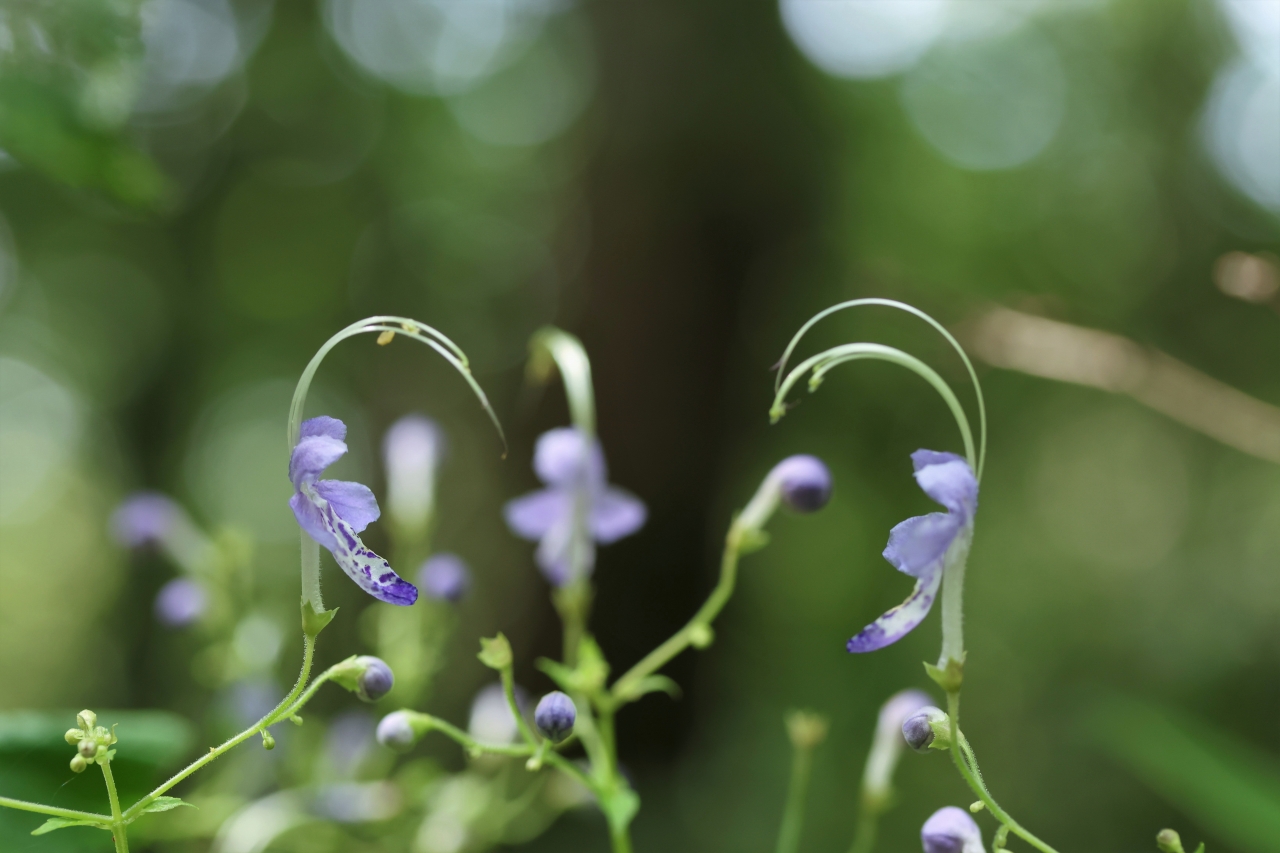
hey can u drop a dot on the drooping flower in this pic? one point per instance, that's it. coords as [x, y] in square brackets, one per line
[151, 519]
[334, 512]
[928, 546]
[445, 577]
[886, 746]
[411, 452]
[576, 485]
[951, 830]
[180, 602]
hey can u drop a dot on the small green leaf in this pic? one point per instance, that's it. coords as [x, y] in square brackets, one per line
[1200, 849]
[62, 823]
[312, 622]
[495, 653]
[163, 804]
[752, 540]
[566, 678]
[593, 669]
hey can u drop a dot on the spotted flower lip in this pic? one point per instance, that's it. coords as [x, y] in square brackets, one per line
[572, 471]
[923, 547]
[334, 512]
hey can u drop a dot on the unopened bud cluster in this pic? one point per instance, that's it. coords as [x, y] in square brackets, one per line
[92, 742]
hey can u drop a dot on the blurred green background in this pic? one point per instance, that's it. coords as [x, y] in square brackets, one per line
[194, 194]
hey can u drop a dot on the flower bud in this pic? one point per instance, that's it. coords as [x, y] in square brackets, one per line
[951, 830]
[1169, 841]
[805, 482]
[78, 764]
[395, 731]
[87, 720]
[376, 681]
[445, 577]
[555, 716]
[928, 727]
[268, 741]
[74, 736]
[88, 748]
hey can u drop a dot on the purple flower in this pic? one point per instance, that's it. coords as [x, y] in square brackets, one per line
[334, 512]
[924, 546]
[805, 482]
[951, 830]
[555, 716]
[576, 487]
[411, 451]
[444, 577]
[491, 718]
[918, 728]
[145, 518]
[376, 680]
[180, 602]
[395, 731]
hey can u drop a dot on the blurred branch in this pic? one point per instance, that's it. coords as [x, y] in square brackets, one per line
[1051, 349]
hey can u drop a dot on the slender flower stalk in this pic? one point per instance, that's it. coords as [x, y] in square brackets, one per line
[806, 730]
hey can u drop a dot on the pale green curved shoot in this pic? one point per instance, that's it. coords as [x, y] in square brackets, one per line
[550, 345]
[410, 328]
[825, 361]
[910, 309]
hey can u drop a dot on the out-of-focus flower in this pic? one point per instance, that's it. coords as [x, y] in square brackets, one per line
[180, 602]
[886, 747]
[927, 546]
[951, 830]
[555, 716]
[395, 731]
[445, 577]
[411, 452]
[348, 742]
[150, 519]
[491, 718]
[574, 472]
[334, 512]
[801, 482]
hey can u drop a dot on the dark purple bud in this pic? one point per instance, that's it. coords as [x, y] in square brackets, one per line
[951, 830]
[445, 577]
[395, 731]
[376, 680]
[804, 481]
[180, 602]
[920, 730]
[555, 716]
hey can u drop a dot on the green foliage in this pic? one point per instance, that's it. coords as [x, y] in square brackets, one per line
[62, 823]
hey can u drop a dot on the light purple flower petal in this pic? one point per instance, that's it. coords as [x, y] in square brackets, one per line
[898, 622]
[445, 577]
[144, 518]
[180, 602]
[916, 546]
[370, 572]
[531, 516]
[311, 456]
[560, 454]
[353, 502]
[616, 513]
[947, 479]
[325, 426]
[951, 830]
[555, 553]
[311, 520]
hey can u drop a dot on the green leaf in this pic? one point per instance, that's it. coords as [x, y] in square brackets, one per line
[163, 804]
[312, 622]
[566, 678]
[1220, 781]
[593, 669]
[62, 823]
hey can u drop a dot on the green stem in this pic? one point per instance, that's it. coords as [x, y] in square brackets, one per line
[793, 814]
[54, 811]
[973, 777]
[700, 622]
[620, 837]
[864, 837]
[118, 832]
[287, 707]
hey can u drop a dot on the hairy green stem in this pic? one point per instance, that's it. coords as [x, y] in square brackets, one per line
[793, 814]
[53, 811]
[282, 711]
[972, 776]
[118, 833]
[700, 622]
